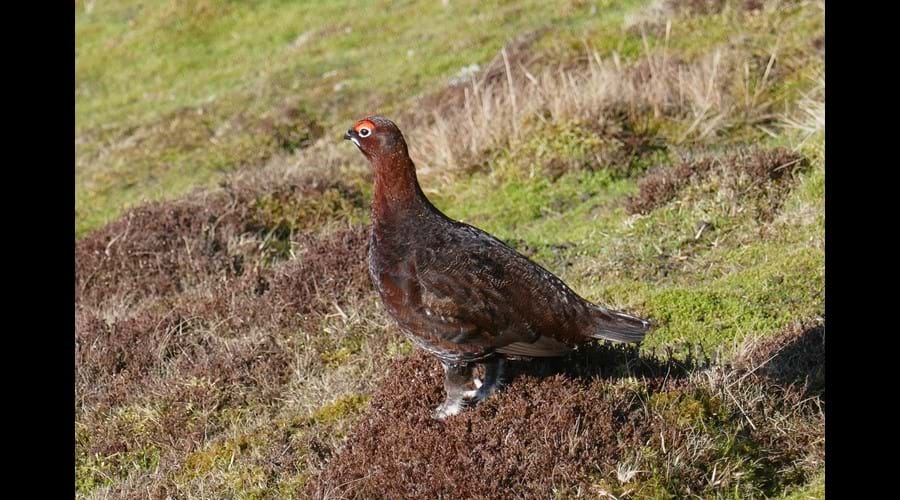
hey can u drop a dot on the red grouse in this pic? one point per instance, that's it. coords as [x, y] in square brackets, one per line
[458, 292]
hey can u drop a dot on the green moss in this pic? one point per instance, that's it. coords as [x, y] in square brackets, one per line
[186, 148]
[762, 298]
[250, 481]
[90, 473]
[95, 470]
[712, 429]
[346, 405]
[653, 487]
[692, 36]
[811, 190]
[556, 148]
[281, 213]
[215, 456]
[399, 346]
[284, 212]
[291, 486]
[340, 340]
[813, 490]
[507, 207]
[238, 466]
[694, 409]
[336, 357]
[724, 443]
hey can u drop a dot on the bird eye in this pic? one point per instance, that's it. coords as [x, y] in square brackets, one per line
[364, 132]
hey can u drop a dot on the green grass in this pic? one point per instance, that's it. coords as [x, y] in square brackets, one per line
[743, 276]
[136, 61]
[169, 96]
[814, 490]
[142, 70]
[715, 293]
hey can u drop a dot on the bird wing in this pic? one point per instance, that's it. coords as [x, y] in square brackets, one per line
[462, 307]
[468, 277]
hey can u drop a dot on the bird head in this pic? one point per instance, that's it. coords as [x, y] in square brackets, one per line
[376, 137]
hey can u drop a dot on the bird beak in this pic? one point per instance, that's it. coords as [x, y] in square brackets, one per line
[351, 136]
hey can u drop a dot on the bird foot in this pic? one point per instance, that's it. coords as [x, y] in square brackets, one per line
[452, 407]
[447, 409]
[459, 396]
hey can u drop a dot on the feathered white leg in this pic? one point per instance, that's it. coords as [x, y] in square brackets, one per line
[456, 378]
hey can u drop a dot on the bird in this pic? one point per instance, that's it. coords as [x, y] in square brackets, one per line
[461, 294]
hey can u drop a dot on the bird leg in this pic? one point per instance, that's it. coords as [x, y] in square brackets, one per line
[457, 377]
[494, 370]
[457, 380]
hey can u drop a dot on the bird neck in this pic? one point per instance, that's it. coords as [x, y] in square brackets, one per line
[397, 190]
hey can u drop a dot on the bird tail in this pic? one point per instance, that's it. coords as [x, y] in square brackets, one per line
[618, 327]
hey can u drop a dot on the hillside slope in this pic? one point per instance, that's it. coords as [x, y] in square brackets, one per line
[665, 158]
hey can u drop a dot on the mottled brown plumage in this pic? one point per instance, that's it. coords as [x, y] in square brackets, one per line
[458, 292]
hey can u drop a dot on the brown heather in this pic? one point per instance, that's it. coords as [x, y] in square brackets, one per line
[174, 339]
[184, 322]
[769, 173]
[603, 420]
[163, 248]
